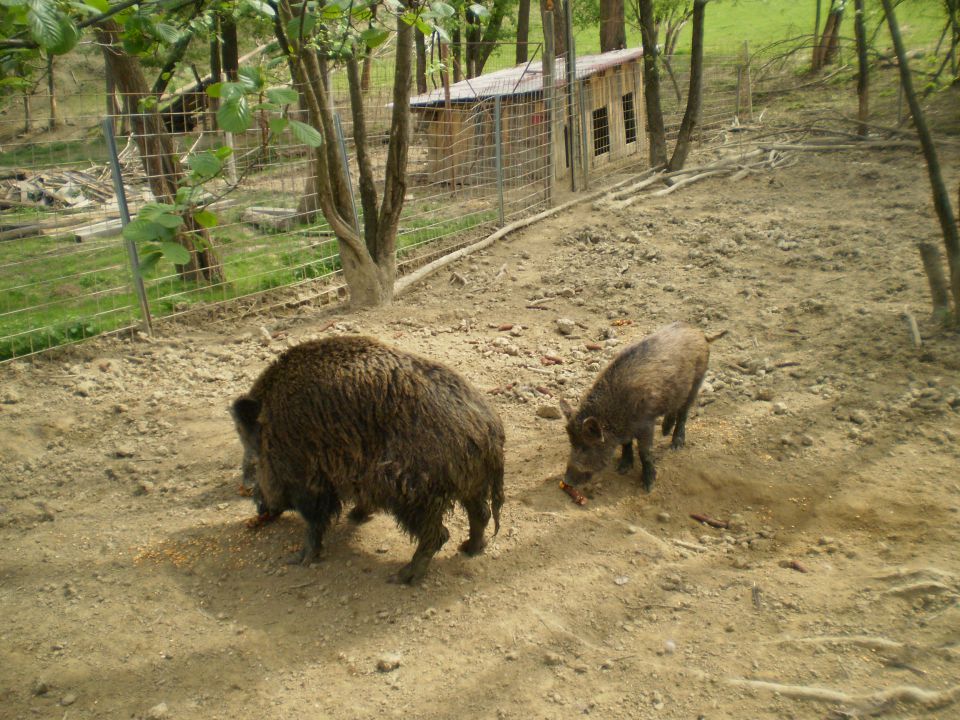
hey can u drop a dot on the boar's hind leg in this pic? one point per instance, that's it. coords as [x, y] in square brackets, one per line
[427, 526]
[680, 429]
[626, 458]
[479, 514]
[318, 511]
[359, 514]
[645, 444]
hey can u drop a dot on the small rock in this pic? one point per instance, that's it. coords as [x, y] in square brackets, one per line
[549, 412]
[552, 659]
[764, 394]
[40, 688]
[123, 451]
[388, 662]
[84, 388]
[663, 516]
[859, 417]
[669, 647]
[68, 699]
[621, 580]
[566, 326]
[779, 408]
[10, 397]
[158, 712]
[806, 440]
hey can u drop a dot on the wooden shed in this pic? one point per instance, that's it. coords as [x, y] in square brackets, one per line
[460, 131]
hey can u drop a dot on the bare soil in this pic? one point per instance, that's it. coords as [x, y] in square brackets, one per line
[132, 587]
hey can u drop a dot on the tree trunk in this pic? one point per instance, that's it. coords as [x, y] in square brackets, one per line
[52, 92]
[523, 31]
[491, 34]
[656, 133]
[863, 68]
[613, 29]
[157, 154]
[815, 54]
[691, 117]
[559, 34]
[456, 53]
[826, 51]
[365, 73]
[216, 70]
[27, 115]
[421, 43]
[473, 34]
[230, 49]
[941, 199]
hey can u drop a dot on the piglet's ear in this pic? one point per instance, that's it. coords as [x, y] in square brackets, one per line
[245, 411]
[593, 430]
[566, 409]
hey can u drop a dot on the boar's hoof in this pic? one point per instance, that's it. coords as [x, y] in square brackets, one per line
[301, 557]
[359, 515]
[411, 573]
[649, 475]
[472, 547]
[625, 465]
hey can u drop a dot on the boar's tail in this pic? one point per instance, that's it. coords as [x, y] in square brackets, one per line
[711, 338]
[496, 498]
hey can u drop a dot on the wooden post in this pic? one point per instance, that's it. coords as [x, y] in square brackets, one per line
[747, 88]
[573, 148]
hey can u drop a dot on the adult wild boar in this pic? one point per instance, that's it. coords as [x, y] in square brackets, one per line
[350, 419]
[659, 376]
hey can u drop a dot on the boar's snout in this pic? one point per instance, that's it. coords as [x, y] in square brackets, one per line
[576, 476]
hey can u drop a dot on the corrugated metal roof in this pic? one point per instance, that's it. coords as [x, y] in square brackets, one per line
[524, 78]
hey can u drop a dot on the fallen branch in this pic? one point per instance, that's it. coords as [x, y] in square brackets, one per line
[874, 702]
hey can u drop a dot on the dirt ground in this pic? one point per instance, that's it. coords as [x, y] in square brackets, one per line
[131, 587]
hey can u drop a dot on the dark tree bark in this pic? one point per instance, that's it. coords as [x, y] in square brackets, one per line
[829, 45]
[491, 35]
[157, 154]
[523, 31]
[816, 37]
[941, 198]
[613, 28]
[559, 36]
[656, 133]
[456, 54]
[421, 43]
[174, 56]
[52, 93]
[230, 49]
[691, 118]
[863, 68]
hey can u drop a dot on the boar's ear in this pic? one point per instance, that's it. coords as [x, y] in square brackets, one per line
[593, 430]
[566, 409]
[245, 411]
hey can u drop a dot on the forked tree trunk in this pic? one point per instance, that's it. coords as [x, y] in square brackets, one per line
[941, 198]
[829, 44]
[863, 68]
[368, 261]
[691, 118]
[157, 154]
[656, 132]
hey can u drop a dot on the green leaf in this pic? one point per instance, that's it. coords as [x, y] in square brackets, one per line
[307, 134]
[101, 6]
[283, 95]
[205, 164]
[234, 115]
[223, 152]
[258, 7]
[175, 253]
[140, 231]
[252, 78]
[214, 90]
[46, 24]
[441, 9]
[374, 37]
[422, 25]
[165, 33]
[13, 3]
[293, 27]
[479, 11]
[205, 218]
[278, 125]
[149, 260]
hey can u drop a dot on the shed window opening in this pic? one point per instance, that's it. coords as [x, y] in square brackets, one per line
[601, 131]
[629, 119]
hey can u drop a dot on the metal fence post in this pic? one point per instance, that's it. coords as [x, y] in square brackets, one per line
[498, 151]
[571, 70]
[549, 91]
[107, 125]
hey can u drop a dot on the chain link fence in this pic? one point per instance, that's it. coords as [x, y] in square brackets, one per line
[482, 154]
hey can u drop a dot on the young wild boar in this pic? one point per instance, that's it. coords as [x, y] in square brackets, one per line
[659, 376]
[350, 419]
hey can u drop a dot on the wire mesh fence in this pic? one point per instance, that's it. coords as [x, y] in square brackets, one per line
[483, 152]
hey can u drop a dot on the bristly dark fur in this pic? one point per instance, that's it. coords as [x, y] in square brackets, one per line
[659, 376]
[350, 419]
